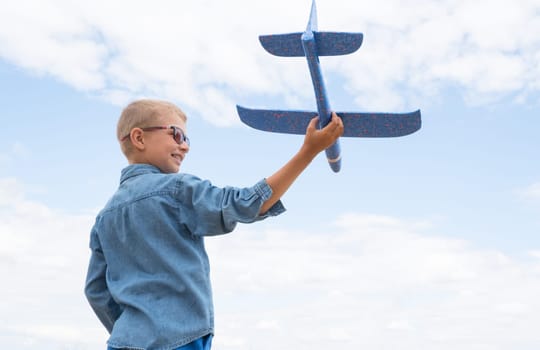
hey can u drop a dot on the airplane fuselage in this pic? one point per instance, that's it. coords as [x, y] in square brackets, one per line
[333, 153]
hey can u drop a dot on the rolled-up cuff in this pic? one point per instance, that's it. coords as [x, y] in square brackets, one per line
[265, 191]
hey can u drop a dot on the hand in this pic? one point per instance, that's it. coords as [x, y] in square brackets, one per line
[317, 140]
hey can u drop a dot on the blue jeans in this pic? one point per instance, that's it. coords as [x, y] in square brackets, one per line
[203, 343]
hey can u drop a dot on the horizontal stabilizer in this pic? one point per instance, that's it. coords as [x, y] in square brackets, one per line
[355, 124]
[328, 43]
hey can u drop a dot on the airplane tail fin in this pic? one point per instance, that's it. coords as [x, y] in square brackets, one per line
[312, 23]
[328, 43]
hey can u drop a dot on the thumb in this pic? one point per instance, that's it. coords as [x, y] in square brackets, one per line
[313, 123]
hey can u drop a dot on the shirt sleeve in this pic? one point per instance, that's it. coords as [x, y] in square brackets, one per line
[211, 210]
[97, 293]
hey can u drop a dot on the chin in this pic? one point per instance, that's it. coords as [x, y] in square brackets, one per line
[170, 170]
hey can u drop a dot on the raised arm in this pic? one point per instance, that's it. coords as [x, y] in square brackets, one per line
[315, 141]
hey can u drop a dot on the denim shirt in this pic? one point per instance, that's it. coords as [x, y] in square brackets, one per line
[148, 278]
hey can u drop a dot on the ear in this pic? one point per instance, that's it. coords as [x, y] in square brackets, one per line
[137, 138]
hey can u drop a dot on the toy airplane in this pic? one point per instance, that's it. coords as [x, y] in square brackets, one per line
[312, 44]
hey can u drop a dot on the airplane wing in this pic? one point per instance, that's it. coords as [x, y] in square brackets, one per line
[284, 122]
[380, 124]
[328, 43]
[355, 124]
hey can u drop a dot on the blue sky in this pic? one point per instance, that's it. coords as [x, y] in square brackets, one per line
[429, 240]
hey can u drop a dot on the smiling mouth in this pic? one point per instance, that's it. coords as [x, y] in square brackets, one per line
[178, 157]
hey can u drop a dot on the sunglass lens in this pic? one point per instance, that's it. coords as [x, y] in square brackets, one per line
[179, 136]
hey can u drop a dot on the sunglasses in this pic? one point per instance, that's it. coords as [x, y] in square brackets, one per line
[178, 135]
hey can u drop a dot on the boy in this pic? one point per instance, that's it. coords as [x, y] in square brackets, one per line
[148, 278]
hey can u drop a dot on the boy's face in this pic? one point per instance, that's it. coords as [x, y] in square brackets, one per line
[162, 150]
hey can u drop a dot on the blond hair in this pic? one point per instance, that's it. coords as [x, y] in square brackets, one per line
[140, 114]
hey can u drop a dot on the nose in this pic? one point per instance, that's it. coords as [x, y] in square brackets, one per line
[185, 147]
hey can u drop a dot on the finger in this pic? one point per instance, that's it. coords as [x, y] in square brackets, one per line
[313, 123]
[336, 127]
[338, 120]
[334, 121]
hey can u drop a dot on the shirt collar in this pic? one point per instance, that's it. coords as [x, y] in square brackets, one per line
[137, 169]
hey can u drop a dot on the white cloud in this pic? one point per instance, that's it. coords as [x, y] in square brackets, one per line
[370, 282]
[205, 54]
[366, 281]
[530, 192]
[52, 38]
[43, 257]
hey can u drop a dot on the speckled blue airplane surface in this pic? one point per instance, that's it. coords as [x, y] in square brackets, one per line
[312, 44]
